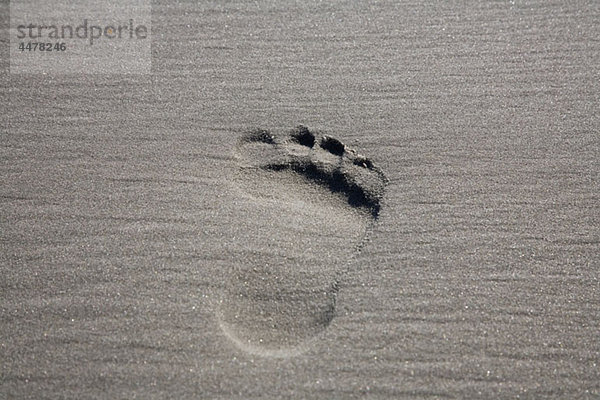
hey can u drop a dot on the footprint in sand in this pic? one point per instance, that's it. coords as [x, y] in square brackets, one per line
[305, 203]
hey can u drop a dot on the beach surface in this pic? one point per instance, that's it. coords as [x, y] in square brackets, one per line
[179, 235]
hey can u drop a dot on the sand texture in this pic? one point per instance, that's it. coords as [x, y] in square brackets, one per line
[310, 200]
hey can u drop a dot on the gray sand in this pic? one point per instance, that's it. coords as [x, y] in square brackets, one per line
[131, 223]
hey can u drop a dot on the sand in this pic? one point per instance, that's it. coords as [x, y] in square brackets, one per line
[149, 250]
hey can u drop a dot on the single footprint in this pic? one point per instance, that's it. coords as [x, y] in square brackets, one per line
[305, 203]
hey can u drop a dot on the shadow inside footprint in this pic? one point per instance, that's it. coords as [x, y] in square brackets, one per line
[302, 211]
